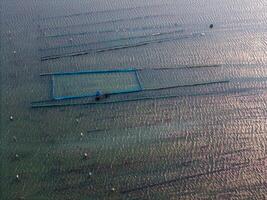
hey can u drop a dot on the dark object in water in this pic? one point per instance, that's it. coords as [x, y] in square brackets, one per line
[99, 96]
[211, 25]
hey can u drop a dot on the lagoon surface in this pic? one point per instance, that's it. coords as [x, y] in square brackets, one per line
[201, 141]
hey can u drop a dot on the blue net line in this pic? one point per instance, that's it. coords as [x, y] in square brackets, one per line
[90, 72]
[113, 92]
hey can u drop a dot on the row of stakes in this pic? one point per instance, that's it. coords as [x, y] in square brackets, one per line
[85, 155]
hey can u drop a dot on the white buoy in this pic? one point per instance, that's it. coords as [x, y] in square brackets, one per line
[81, 134]
[14, 52]
[113, 189]
[11, 118]
[17, 177]
[16, 156]
[90, 173]
[85, 155]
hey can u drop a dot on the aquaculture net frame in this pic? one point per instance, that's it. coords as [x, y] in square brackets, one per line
[134, 72]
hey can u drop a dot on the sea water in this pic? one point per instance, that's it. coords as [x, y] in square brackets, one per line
[199, 142]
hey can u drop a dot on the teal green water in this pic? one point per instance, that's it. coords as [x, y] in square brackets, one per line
[87, 84]
[194, 142]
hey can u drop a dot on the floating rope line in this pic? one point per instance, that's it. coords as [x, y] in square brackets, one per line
[102, 11]
[108, 41]
[42, 104]
[105, 22]
[144, 28]
[244, 165]
[84, 52]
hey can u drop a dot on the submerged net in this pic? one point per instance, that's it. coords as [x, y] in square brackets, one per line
[92, 83]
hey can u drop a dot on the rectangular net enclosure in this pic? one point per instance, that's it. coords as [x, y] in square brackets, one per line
[92, 83]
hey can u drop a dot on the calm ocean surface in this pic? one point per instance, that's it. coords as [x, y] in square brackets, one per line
[195, 142]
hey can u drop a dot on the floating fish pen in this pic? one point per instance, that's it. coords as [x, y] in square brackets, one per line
[92, 83]
[123, 85]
